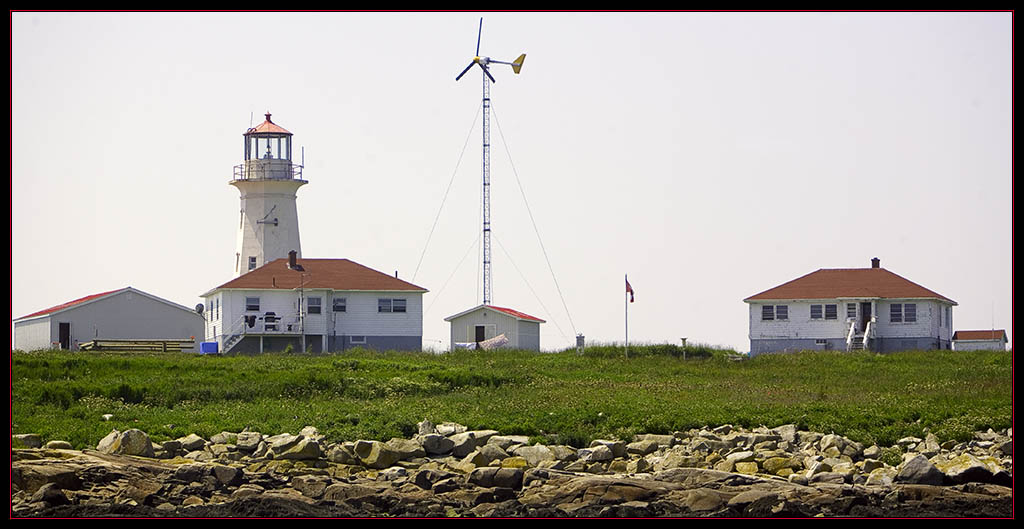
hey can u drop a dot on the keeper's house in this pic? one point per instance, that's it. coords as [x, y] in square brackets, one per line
[314, 304]
[848, 309]
[991, 340]
[124, 314]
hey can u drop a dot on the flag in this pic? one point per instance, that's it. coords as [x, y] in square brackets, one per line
[629, 290]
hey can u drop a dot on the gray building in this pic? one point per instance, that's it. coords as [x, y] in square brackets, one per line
[124, 314]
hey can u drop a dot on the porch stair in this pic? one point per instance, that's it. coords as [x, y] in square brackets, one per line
[857, 343]
[231, 342]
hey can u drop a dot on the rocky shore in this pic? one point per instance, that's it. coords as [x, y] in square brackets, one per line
[447, 471]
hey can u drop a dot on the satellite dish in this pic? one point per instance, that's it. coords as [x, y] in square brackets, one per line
[199, 308]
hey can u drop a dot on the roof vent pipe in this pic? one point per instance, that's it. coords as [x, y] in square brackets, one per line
[875, 262]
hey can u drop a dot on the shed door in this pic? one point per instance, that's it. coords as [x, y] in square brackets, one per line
[479, 333]
[64, 334]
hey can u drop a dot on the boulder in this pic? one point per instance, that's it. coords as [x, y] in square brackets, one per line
[375, 454]
[535, 454]
[132, 442]
[406, 448]
[463, 443]
[192, 442]
[26, 440]
[916, 469]
[301, 448]
[435, 444]
[618, 448]
[596, 453]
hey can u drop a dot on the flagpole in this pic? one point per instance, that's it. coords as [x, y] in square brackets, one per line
[626, 300]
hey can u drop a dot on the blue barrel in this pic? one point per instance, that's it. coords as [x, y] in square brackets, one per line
[207, 348]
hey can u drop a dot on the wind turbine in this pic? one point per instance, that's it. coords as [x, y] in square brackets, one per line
[483, 63]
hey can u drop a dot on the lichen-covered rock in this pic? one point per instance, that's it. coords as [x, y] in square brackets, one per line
[132, 442]
[535, 454]
[375, 454]
[967, 468]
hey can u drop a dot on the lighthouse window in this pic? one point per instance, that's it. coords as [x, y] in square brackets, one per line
[252, 263]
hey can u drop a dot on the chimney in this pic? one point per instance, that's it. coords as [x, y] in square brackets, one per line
[875, 262]
[396, 274]
[291, 259]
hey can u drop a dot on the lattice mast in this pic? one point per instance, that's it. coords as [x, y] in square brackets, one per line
[485, 196]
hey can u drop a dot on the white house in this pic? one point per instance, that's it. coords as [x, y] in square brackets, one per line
[484, 322]
[992, 340]
[126, 314]
[850, 308]
[314, 304]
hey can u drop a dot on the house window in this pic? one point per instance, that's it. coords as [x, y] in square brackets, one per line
[831, 312]
[774, 312]
[815, 312]
[357, 339]
[339, 305]
[940, 317]
[252, 263]
[252, 304]
[851, 310]
[313, 305]
[903, 313]
[216, 308]
[949, 316]
[390, 305]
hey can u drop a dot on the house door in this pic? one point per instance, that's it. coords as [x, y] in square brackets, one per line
[64, 334]
[865, 316]
[479, 333]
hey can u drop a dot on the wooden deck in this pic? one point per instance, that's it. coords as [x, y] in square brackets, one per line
[165, 346]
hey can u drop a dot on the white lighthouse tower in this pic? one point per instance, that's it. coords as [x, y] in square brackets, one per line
[268, 224]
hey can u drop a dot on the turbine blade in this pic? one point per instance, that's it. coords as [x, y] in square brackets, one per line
[464, 71]
[478, 33]
[518, 63]
[489, 75]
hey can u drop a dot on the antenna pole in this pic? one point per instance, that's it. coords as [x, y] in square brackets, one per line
[486, 195]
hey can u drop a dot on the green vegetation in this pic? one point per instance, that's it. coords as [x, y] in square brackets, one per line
[555, 397]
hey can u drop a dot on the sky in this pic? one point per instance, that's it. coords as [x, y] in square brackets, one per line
[709, 156]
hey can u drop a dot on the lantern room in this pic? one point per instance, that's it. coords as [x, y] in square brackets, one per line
[268, 154]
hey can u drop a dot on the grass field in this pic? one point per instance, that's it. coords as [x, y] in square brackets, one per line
[555, 397]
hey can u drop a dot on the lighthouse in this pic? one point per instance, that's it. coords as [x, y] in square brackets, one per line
[268, 223]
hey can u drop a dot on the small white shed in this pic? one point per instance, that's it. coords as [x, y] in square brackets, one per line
[484, 322]
[126, 314]
[991, 340]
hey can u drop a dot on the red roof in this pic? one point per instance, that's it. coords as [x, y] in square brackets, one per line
[70, 304]
[267, 126]
[516, 313]
[998, 334]
[335, 274]
[848, 283]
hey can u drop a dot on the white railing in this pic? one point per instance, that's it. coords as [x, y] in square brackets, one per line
[869, 332]
[851, 334]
